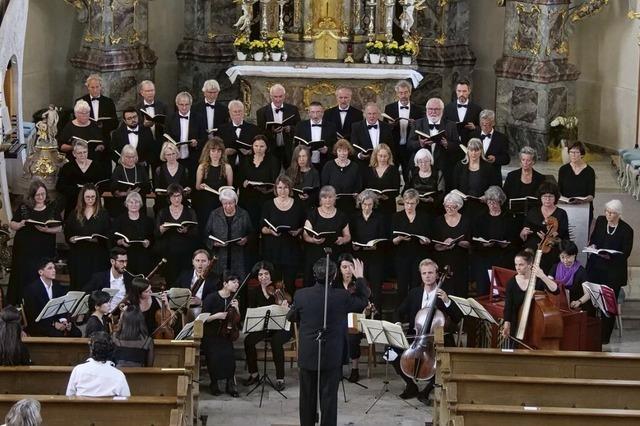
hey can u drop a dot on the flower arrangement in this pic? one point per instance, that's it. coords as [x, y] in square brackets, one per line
[242, 44]
[408, 49]
[275, 45]
[257, 46]
[564, 128]
[375, 47]
[392, 49]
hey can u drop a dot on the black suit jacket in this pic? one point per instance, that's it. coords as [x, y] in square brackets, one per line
[360, 135]
[100, 280]
[211, 284]
[328, 135]
[106, 108]
[146, 143]
[410, 306]
[499, 148]
[35, 298]
[220, 114]
[415, 112]
[265, 114]
[227, 132]
[308, 309]
[196, 131]
[353, 116]
[472, 116]
[159, 108]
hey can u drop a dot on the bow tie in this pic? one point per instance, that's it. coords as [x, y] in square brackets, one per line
[238, 126]
[316, 125]
[153, 105]
[277, 110]
[433, 126]
[461, 106]
[404, 106]
[186, 117]
[95, 99]
[372, 126]
[210, 105]
[135, 132]
[485, 136]
[345, 110]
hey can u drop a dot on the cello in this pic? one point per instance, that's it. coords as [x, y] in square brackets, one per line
[540, 321]
[419, 361]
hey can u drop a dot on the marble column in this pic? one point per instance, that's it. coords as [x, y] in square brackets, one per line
[442, 34]
[206, 50]
[535, 81]
[115, 45]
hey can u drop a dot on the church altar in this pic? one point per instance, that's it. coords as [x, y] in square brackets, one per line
[317, 81]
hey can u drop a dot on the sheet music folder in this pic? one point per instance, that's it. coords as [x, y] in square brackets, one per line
[254, 319]
[602, 297]
[384, 332]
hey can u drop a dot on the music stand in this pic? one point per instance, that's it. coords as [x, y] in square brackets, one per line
[602, 297]
[390, 335]
[265, 318]
[60, 305]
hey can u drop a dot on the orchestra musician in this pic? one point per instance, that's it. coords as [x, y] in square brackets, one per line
[99, 308]
[140, 295]
[133, 342]
[198, 279]
[112, 278]
[13, 351]
[218, 349]
[420, 298]
[37, 295]
[265, 295]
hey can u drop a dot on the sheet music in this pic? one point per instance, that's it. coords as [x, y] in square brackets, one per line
[187, 330]
[255, 317]
[384, 332]
[471, 308]
[60, 305]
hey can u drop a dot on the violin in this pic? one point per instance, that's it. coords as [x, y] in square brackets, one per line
[419, 361]
[230, 326]
[164, 318]
[278, 292]
[195, 310]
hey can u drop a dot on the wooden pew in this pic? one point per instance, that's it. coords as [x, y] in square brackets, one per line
[52, 380]
[60, 410]
[504, 415]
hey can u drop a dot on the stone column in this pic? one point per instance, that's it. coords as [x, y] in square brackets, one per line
[535, 81]
[115, 45]
[207, 47]
[442, 34]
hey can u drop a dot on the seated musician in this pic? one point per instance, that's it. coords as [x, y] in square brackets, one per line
[133, 343]
[265, 295]
[12, 350]
[98, 377]
[218, 349]
[37, 295]
[516, 288]
[569, 271]
[199, 279]
[140, 295]
[418, 299]
[99, 308]
[112, 278]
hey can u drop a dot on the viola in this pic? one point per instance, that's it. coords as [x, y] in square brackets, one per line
[419, 361]
[164, 318]
[278, 292]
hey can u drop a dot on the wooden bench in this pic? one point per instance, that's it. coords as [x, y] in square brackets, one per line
[505, 415]
[58, 410]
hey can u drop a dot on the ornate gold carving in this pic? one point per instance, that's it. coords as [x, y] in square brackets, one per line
[376, 88]
[588, 8]
[557, 36]
[321, 88]
[441, 40]
[527, 37]
[114, 39]
[211, 35]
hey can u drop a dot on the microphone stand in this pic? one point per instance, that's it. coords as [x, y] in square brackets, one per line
[321, 332]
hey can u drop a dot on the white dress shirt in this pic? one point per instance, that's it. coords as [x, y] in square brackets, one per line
[486, 141]
[210, 112]
[48, 288]
[194, 278]
[95, 107]
[462, 111]
[428, 298]
[133, 137]
[151, 110]
[374, 134]
[404, 124]
[343, 114]
[278, 117]
[316, 135]
[184, 136]
[96, 378]
[118, 284]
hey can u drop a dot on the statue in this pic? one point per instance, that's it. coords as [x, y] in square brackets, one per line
[44, 159]
[244, 22]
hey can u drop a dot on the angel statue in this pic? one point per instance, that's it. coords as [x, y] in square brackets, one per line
[406, 17]
[244, 21]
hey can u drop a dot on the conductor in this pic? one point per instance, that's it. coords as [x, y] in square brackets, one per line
[333, 354]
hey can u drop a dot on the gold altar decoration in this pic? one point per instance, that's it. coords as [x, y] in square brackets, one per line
[322, 89]
[588, 8]
[325, 30]
[527, 38]
[123, 9]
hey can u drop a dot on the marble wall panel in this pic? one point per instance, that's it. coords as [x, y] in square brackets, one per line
[557, 101]
[524, 104]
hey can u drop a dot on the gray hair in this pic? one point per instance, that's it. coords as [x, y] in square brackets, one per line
[487, 114]
[453, 198]
[423, 153]
[277, 86]
[435, 101]
[128, 149]
[320, 267]
[527, 150]
[77, 143]
[495, 193]
[211, 85]
[411, 194]
[614, 205]
[184, 95]
[402, 84]
[133, 196]
[92, 77]
[81, 106]
[474, 144]
[326, 191]
[367, 194]
[144, 83]
[371, 104]
[228, 194]
[25, 412]
[348, 89]
[235, 103]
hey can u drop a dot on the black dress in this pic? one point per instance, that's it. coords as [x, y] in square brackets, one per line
[90, 132]
[501, 227]
[71, 179]
[582, 184]
[364, 230]
[432, 183]
[308, 179]
[162, 181]
[137, 176]
[457, 258]
[284, 251]
[535, 222]
[513, 299]
[174, 246]
[94, 324]
[30, 246]
[514, 188]
[150, 316]
[408, 254]
[140, 259]
[390, 179]
[313, 252]
[251, 199]
[218, 350]
[133, 353]
[204, 201]
[345, 180]
[85, 257]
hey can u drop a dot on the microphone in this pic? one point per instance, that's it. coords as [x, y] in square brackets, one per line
[327, 250]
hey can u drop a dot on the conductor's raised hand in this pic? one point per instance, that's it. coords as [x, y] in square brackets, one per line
[358, 268]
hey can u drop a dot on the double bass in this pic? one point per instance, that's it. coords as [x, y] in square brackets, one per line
[419, 361]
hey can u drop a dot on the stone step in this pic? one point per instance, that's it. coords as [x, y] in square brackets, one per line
[631, 322]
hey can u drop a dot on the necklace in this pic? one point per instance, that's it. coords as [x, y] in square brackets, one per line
[613, 231]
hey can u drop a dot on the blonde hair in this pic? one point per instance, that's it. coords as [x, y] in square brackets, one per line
[373, 162]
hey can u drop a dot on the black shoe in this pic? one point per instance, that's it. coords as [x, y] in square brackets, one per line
[214, 389]
[410, 391]
[279, 385]
[251, 380]
[423, 395]
[355, 376]
[231, 389]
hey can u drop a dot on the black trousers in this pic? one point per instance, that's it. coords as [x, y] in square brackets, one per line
[329, 381]
[278, 339]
